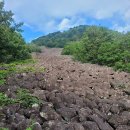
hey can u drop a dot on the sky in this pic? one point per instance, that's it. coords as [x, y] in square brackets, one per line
[41, 17]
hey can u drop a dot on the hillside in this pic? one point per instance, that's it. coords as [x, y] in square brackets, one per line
[60, 39]
[67, 95]
[78, 79]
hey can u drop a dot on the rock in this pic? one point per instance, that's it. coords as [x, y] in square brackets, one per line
[105, 108]
[122, 119]
[58, 126]
[67, 113]
[115, 109]
[127, 91]
[49, 124]
[84, 113]
[48, 113]
[36, 126]
[100, 114]
[89, 125]
[90, 104]
[23, 74]
[74, 126]
[44, 115]
[35, 105]
[41, 94]
[102, 124]
[123, 127]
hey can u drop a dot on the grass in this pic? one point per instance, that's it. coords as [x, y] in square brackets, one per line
[4, 129]
[18, 67]
[23, 97]
[4, 100]
[26, 99]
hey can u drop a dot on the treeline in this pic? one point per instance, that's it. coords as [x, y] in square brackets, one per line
[102, 46]
[12, 45]
[60, 39]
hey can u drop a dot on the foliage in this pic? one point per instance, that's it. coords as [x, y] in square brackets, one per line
[60, 39]
[34, 48]
[4, 100]
[23, 97]
[29, 128]
[24, 66]
[102, 46]
[4, 129]
[26, 99]
[12, 45]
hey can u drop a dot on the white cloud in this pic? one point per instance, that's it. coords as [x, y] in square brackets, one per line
[65, 24]
[44, 14]
[123, 29]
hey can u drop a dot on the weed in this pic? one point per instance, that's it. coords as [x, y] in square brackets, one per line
[18, 67]
[23, 97]
[26, 99]
[4, 129]
[4, 100]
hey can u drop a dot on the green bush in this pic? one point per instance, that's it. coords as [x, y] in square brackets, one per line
[4, 129]
[17, 67]
[23, 97]
[26, 99]
[102, 46]
[34, 48]
[4, 100]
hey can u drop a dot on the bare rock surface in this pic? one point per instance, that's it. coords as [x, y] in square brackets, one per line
[74, 96]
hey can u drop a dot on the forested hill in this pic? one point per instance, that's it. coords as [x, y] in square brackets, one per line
[60, 39]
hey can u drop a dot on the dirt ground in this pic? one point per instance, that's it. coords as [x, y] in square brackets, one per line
[74, 96]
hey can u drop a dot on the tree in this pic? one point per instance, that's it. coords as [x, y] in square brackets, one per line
[12, 45]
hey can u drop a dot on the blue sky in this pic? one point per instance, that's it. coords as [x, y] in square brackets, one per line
[41, 17]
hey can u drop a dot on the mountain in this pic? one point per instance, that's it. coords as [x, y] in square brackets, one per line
[60, 39]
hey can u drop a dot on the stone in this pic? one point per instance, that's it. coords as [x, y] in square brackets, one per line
[36, 126]
[89, 125]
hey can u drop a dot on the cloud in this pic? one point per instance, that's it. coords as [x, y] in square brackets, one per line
[65, 24]
[52, 15]
[123, 29]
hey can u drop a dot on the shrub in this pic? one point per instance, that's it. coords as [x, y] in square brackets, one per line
[26, 99]
[4, 100]
[23, 97]
[34, 48]
[102, 46]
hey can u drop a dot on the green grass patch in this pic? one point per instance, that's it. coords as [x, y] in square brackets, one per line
[18, 67]
[4, 129]
[23, 97]
[4, 100]
[26, 99]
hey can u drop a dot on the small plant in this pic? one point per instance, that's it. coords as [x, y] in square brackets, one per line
[23, 97]
[2, 81]
[31, 125]
[26, 99]
[4, 100]
[4, 129]
[18, 67]
[29, 128]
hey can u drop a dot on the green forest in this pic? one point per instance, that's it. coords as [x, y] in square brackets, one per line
[60, 39]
